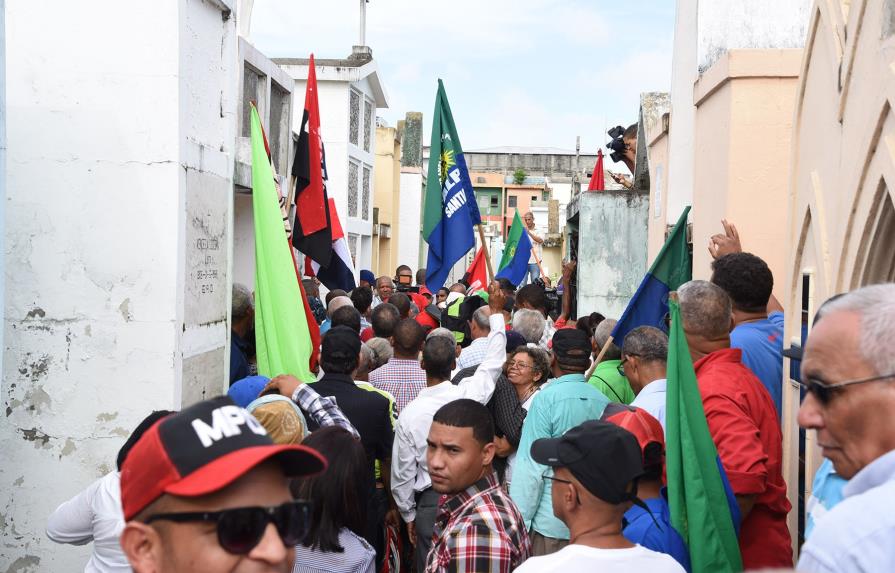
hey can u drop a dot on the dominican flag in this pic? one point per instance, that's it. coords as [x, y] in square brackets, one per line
[312, 230]
[340, 271]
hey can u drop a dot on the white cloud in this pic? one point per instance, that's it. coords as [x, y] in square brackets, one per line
[523, 72]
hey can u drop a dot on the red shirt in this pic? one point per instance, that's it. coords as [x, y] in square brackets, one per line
[745, 428]
[366, 334]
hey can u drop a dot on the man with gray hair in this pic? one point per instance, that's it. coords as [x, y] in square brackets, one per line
[848, 370]
[479, 329]
[644, 354]
[242, 325]
[530, 324]
[743, 423]
[335, 304]
[608, 377]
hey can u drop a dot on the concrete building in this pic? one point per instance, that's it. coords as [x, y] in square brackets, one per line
[398, 192]
[119, 181]
[349, 93]
[608, 238]
[726, 148]
[265, 83]
[840, 228]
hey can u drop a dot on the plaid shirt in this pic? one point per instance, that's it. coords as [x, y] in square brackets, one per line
[478, 530]
[400, 377]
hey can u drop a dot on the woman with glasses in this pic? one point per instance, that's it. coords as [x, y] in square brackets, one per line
[334, 540]
[526, 370]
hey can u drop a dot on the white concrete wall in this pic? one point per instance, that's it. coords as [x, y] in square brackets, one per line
[409, 218]
[729, 24]
[681, 132]
[612, 243]
[119, 162]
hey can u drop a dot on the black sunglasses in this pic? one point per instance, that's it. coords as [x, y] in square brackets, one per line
[825, 392]
[240, 529]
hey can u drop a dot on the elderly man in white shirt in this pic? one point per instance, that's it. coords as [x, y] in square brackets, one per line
[848, 372]
[479, 329]
[410, 481]
[644, 354]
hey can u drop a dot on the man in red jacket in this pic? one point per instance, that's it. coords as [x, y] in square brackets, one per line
[743, 424]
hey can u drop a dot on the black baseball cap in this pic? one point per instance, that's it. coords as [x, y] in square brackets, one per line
[203, 449]
[604, 457]
[571, 346]
[340, 343]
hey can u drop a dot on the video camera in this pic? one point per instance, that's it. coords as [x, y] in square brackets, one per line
[617, 145]
[402, 284]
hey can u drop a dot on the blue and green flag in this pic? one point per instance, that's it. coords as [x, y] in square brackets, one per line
[516, 254]
[701, 504]
[449, 207]
[672, 268]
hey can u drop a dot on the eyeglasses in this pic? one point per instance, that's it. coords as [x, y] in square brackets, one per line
[240, 529]
[825, 392]
[518, 365]
[556, 479]
[621, 366]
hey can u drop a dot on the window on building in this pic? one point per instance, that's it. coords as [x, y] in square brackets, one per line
[253, 85]
[494, 201]
[480, 179]
[353, 174]
[354, 117]
[368, 124]
[352, 247]
[511, 201]
[534, 197]
[365, 194]
[279, 123]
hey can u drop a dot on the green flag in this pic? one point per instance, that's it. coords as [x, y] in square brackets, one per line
[282, 339]
[696, 494]
[516, 253]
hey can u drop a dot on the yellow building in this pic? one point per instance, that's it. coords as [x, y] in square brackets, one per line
[386, 200]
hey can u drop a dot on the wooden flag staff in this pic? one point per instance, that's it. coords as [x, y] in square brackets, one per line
[487, 253]
[599, 357]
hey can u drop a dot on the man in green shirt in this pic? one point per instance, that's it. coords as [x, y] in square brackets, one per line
[607, 377]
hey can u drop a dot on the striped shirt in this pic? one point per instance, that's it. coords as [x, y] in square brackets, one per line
[358, 556]
[478, 530]
[400, 377]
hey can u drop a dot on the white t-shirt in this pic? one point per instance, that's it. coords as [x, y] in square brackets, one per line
[580, 558]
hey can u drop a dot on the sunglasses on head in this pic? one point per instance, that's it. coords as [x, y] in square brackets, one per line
[824, 392]
[240, 529]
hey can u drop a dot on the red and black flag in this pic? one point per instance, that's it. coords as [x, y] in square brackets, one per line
[312, 229]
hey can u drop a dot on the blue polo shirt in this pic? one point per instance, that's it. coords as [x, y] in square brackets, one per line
[762, 344]
[658, 535]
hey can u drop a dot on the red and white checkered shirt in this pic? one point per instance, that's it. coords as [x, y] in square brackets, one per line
[478, 530]
[400, 377]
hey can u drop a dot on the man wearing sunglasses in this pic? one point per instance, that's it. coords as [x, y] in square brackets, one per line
[848, 372]
[743, 423]
[206, 490]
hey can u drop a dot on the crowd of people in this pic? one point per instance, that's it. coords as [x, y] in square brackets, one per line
[476, 431]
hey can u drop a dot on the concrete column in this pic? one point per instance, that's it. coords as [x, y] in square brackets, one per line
[117, 219]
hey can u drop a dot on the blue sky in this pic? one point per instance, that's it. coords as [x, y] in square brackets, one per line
[521, 72]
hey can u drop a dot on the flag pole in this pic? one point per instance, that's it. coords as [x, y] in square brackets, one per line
[487, 253]
[599, 357]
